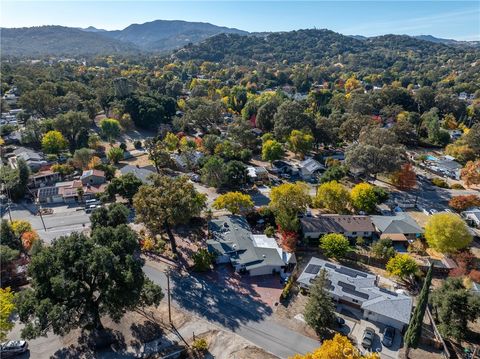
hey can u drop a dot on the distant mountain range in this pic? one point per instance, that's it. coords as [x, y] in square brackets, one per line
[158, 36]
[155, 36]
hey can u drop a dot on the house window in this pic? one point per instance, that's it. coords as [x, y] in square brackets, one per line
[354, 233]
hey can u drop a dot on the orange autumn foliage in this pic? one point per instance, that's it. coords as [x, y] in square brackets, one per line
[470, 174]
[28, 238]
[405, 178]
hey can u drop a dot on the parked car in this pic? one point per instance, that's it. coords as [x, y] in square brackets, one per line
[13, 348]
[194, 177]
[433, 211]
[91, 202]
[90, 208]
[448, 210]
[340, 321]
[388, 336]
[367, 338]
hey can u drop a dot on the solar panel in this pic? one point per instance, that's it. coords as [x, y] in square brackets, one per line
[312, 269]
[329, 265]
[350, 272]
[383, 290]
[350, 289]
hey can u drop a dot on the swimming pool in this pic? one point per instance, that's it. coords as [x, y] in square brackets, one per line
[431, 158]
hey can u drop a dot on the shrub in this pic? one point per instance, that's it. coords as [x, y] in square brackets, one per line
[287, 289]
[123, 146]
[417, 247]
[202, 260]
[200, 345]
[457, 186]
[269, 231]
[383, 249]
[137, 144]
[360, 241]
[439, 183]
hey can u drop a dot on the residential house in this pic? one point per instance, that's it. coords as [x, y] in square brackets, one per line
[257, 174]
[350, 226]
[45, 178]
[399, 227]
[34, 159]
[93, 177]
[445, 166]
[232, 241]
[186, 161]
[309, 168]
[472, 216]
[141, 173]
[69, 192]
[360, 290]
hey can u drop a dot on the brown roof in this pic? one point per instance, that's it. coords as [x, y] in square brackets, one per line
[95, 189]
[337, 223]
[97, 173]
[395, 237]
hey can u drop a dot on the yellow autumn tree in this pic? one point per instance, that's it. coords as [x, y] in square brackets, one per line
[340, 347]
[94, 162]
[351, 84]
[20, 226]
[6, 309]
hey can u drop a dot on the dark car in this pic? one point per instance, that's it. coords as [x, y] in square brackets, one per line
[367, 338]
[388, 336]
[340, 321]
[13, 348]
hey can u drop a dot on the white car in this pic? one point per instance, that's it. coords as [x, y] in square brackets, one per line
[13, 348]
[448, 210]
[433, 211]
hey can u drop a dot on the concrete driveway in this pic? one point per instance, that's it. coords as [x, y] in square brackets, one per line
[385, 353]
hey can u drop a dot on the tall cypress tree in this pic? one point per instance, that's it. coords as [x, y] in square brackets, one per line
[412, 335]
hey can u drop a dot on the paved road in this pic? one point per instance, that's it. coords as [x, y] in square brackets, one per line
[242, 314]
[62, 222]
[428, 196]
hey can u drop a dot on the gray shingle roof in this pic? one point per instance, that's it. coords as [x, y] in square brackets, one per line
[337, 223]
[361, 286]
[231, 236]
[400, 223]
[141, 173]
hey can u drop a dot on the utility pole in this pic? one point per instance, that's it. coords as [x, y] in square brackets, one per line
[168, 297]
[9, 204]
[39, 209]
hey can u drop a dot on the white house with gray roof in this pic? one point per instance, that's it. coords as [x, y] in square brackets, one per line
[360, 290]
[232, 241]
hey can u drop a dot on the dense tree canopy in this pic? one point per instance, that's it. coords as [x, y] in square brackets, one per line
[79, 279]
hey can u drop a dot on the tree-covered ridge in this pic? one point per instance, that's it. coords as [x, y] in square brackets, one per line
[59, 41]
[325, 47]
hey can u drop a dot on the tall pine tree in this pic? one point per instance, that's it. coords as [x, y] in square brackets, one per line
[319, 310]
[412, 335]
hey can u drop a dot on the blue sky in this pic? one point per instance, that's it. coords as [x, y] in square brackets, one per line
[449, 19]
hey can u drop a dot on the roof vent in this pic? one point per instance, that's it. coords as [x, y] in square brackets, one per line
[264, 256]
